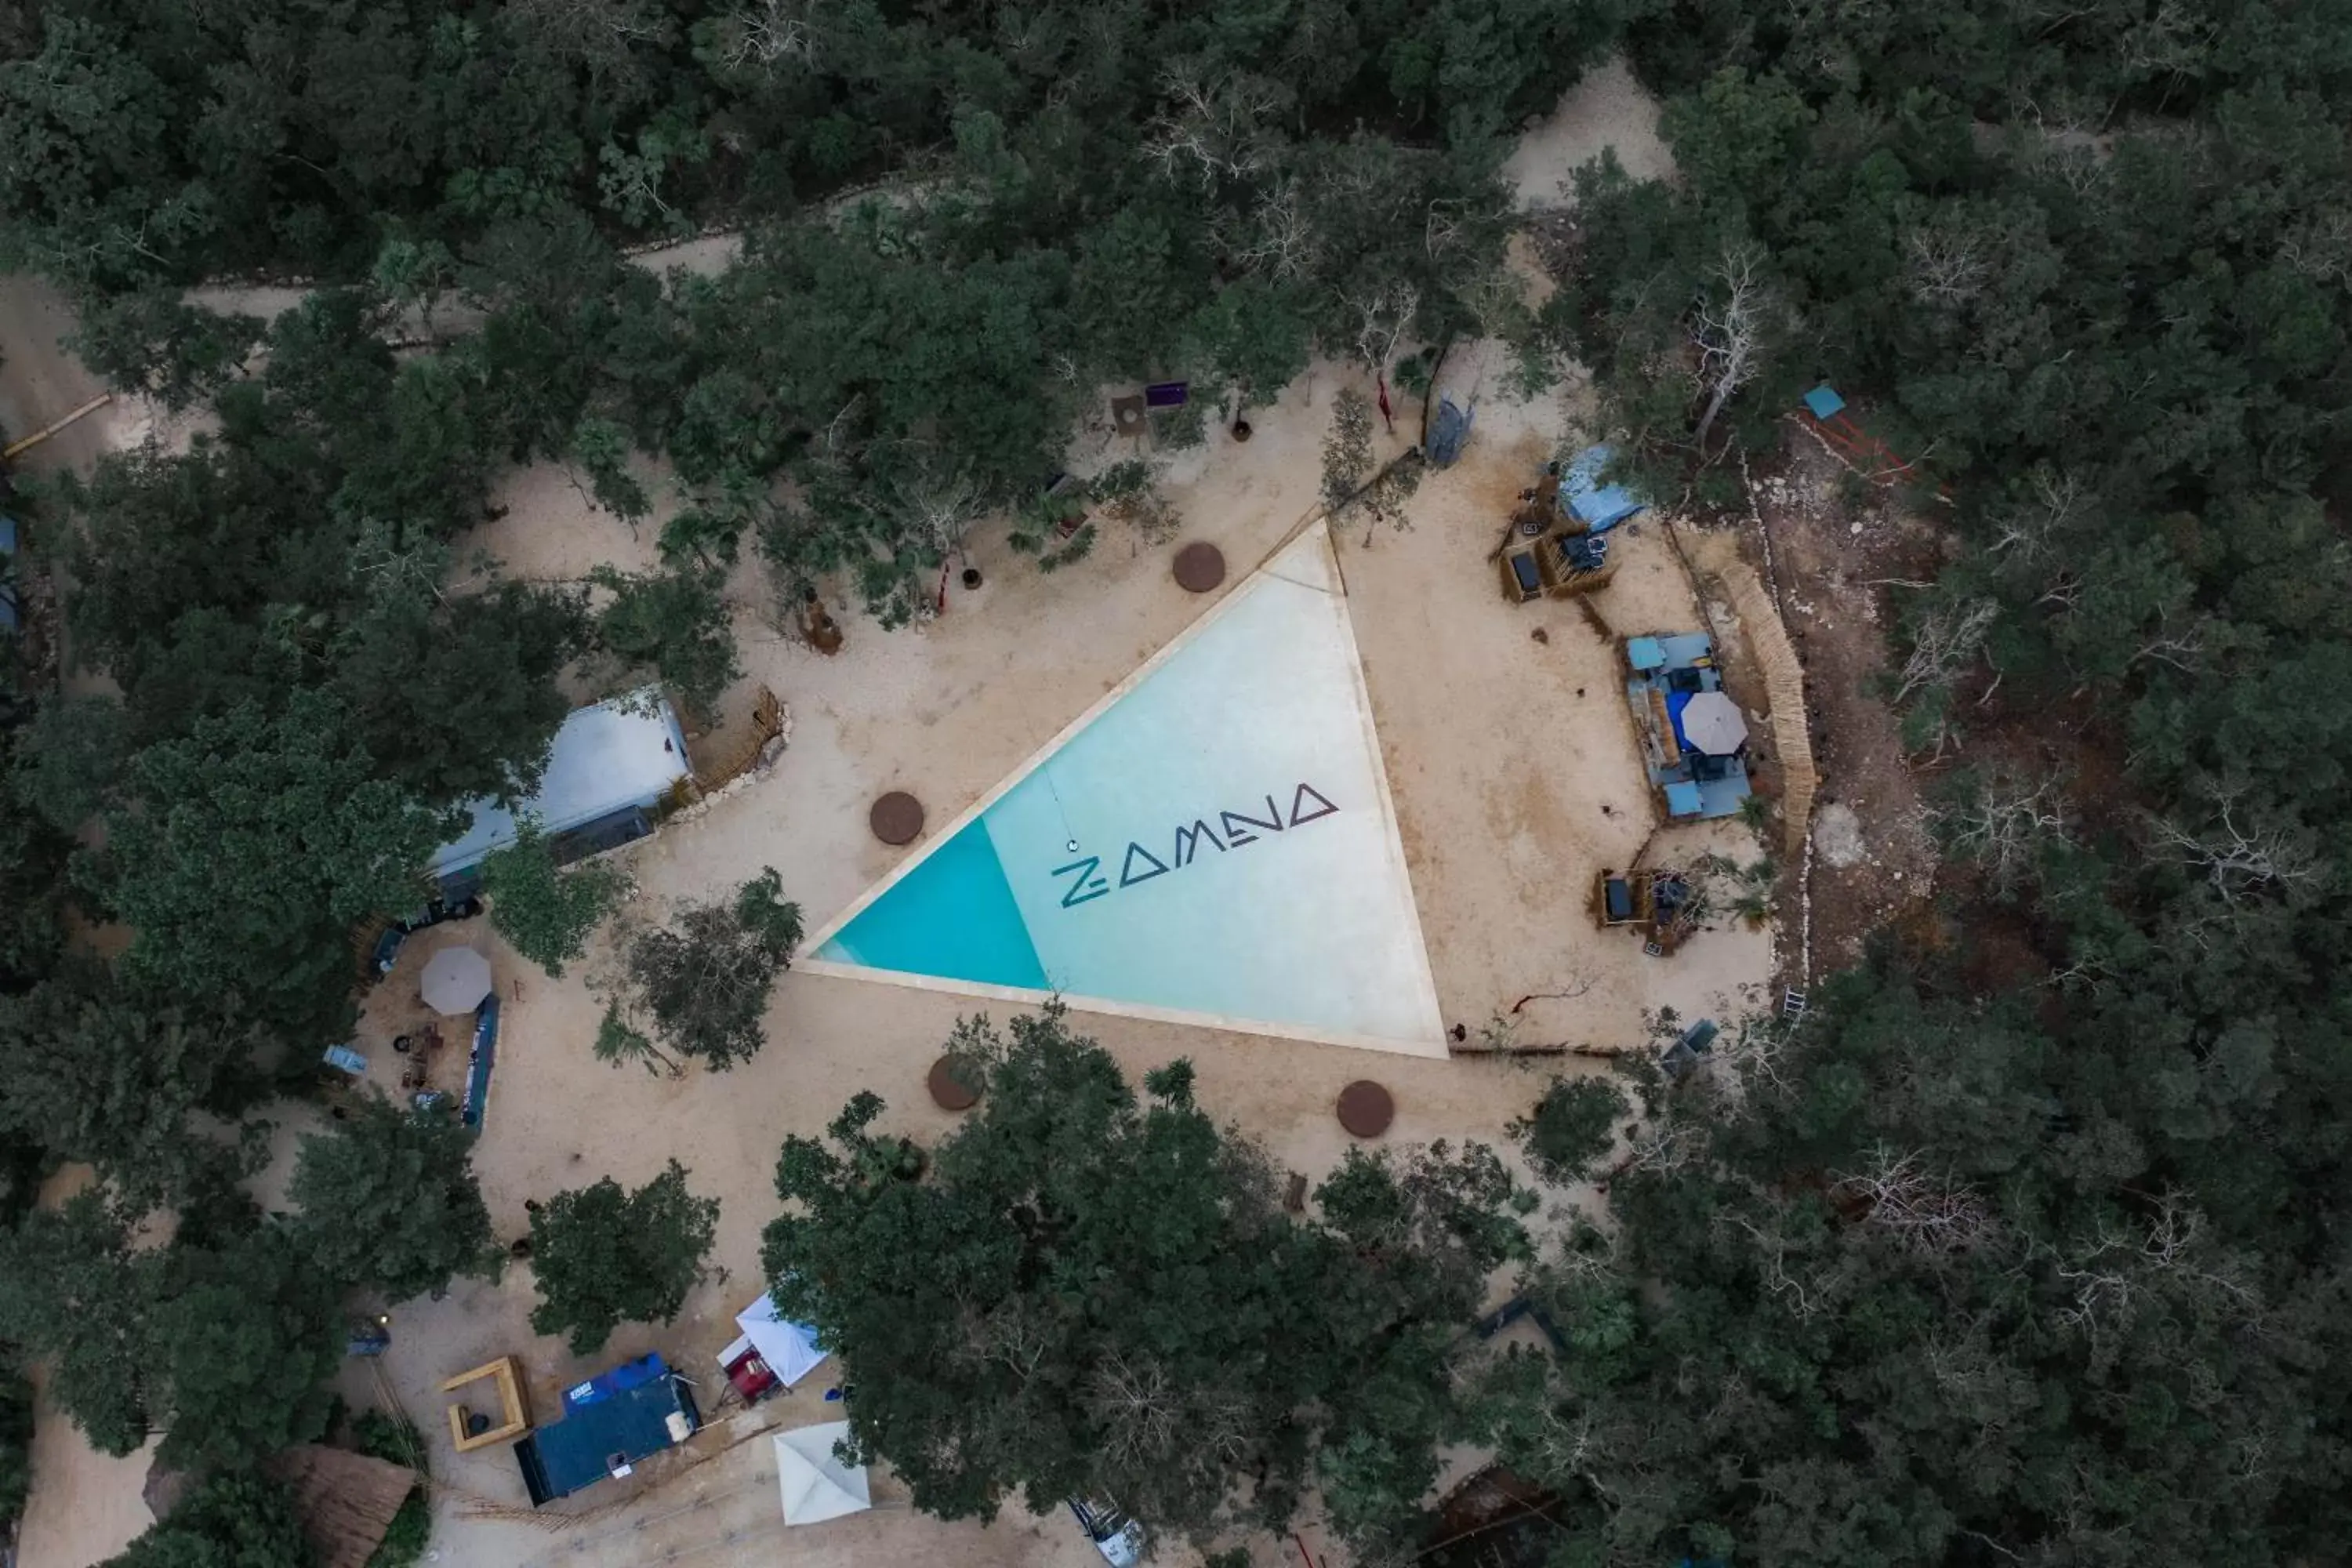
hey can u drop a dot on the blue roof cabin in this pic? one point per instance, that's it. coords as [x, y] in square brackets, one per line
[1693, 739]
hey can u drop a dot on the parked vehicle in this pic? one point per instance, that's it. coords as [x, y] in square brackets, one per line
[1118, 1538]
[387, 946]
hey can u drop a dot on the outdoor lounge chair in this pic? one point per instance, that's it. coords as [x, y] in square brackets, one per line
[1669, 749]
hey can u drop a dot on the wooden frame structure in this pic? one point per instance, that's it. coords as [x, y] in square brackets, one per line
[1537, 568]
[514, 1405]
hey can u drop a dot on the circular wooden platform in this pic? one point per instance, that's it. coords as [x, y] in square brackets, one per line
[1366, 1109]
[950, 1086]
[1200, 567]
[897, 817]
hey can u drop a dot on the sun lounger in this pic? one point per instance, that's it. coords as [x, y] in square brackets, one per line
[1664, 726]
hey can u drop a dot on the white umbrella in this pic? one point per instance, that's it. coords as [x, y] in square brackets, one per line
[816, 1486]
[456, 980]
[1711, 722]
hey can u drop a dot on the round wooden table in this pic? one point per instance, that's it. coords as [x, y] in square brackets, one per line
[1200, 567]
[897, 817]
[951, 1085]
[1366, 1109]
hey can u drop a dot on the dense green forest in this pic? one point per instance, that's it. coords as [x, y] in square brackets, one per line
[2050, 1268]
[2047, 1268]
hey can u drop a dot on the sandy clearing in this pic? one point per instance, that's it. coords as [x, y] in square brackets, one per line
[1499, 769]
[704, 257]
[1607, 109]
[41, 381]
[1502, 750]
[85, 1507]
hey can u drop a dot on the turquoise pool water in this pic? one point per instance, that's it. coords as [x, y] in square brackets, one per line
[954, 917]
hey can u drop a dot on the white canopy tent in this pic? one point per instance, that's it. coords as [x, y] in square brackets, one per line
[790, 1349]
[817, 1486]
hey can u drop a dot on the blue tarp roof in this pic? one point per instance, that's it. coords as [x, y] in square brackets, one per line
[477, 1103]
[1450, 430]
[1597, 506]
[1675, 702]
[631, 1422]
[7, 595]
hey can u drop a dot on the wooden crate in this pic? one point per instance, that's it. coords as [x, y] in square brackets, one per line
[514, 1405]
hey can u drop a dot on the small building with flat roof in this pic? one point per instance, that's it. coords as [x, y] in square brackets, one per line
[609, 766]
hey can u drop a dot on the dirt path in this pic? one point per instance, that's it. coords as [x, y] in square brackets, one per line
[41, 381]
[1840, 565]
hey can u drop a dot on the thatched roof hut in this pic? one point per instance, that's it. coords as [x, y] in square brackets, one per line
[346, 1499]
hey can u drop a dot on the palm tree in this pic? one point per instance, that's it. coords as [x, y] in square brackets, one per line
[617, 1042]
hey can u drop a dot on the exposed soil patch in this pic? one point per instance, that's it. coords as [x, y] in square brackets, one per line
[1841, 561]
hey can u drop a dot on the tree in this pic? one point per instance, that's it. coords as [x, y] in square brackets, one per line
[395, 1440]
[604, 1256]
[704, 980]
[1947, 636]
[258, 841]
[387, 1201]
[156, 343]
[544, 912]
[618, 1042]
[1351, 487]
[65, 761]
[1917, 1202]
[233, 1519]
[244, 1337]
[1346, 448]
[33, 860]
[1729, 330]
[98, 1072]
[74, 1293]
[673, 626]
[15, 1447]
[1573, 1125]
[2001, 822]
[455, 696]
[1093, 1296]
[224, 1336]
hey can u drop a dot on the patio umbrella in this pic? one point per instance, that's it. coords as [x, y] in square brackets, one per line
[456, 980]
[1711, 722]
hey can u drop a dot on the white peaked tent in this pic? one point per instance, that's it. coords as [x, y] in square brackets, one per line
[790, 1349]
[817, 1486]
